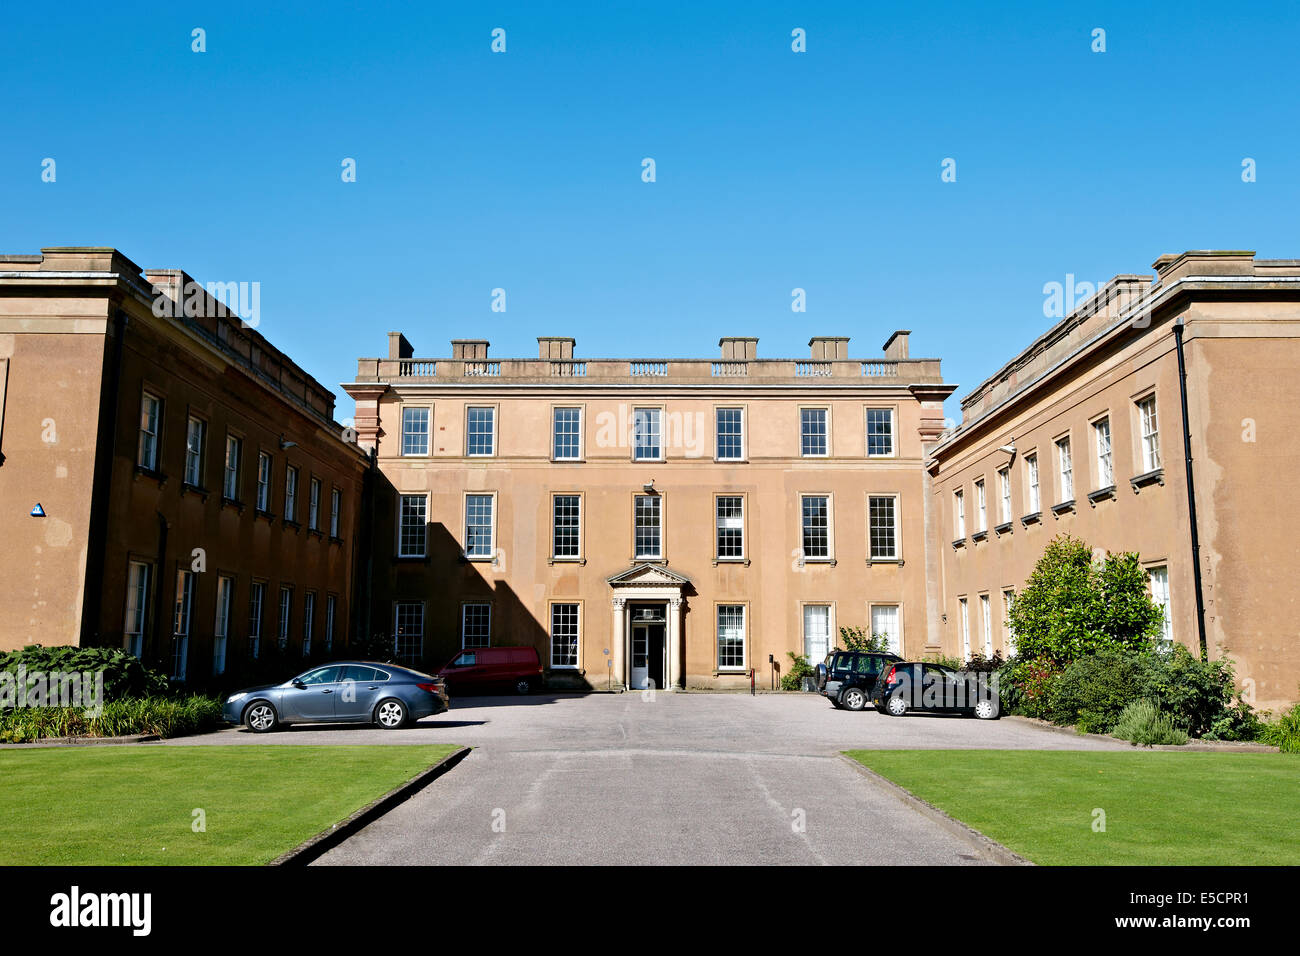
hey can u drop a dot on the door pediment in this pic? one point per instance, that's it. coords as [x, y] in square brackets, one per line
[648, 575]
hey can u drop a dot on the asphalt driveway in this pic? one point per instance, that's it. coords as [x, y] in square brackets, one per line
[661, 779]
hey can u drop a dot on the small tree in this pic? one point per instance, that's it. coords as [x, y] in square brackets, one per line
[1072, 606]
[860, 639]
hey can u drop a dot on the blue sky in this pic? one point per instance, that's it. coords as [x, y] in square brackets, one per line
[775, 170]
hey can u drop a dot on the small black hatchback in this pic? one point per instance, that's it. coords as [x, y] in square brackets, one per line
[848, 677]
[923, 686]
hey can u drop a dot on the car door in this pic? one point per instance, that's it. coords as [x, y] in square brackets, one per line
[463, 672]
[360, 690]
[311, 696]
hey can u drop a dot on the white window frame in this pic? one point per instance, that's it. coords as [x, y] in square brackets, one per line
[402, 642]
[1162, 595]
[492, 434]
[331, 613]
[195, 439]
[829, 607]
[742, 455]
[890, 412]
[402, 551]
[221, 627]
[136, 624]
[149, 443]
[230, 472]
[963, 610]
[1149, 432]
[981, 506]
[898, 611]
[313, 503]
[1103, 442]
[555, 422]
[336, 511]
[1033, 493]
[1065, 469]
[718, 528]
[1004, 491]
[416, 439]
[1008, 598]
[264, 481]
[284, 616]
[308, 621]
[744, 637]
[555, 526]
[256, 613]
[830, 527]
[826, 431]
[464, 624]
[637, 553]
[895, 529]
[959, 512]
[577, 634]
[986, 623]
[653, 415]
[182, 621]
[478, 554]
[290, 493]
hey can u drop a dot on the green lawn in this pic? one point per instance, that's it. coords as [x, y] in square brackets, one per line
[1160, 807]
[135, 805]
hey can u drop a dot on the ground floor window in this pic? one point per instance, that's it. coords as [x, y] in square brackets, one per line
[331, 604]
[475, 625]
[308, 621]
[986, 620]
[137, 607]
[255, 600]
[181, 628]
[408, 631]
[886, 620]
[286, 604]
[564, 635]
[1008, 597]
[731, 636]
[221, 630]
[965, 628]
[816, 632]
[1160, 595]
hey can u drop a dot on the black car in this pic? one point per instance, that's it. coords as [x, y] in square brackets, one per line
[934, 688]
[848, 677]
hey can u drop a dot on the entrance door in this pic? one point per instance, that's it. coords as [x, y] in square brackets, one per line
[648, 647]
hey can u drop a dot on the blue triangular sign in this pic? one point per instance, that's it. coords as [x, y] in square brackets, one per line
[38, 511]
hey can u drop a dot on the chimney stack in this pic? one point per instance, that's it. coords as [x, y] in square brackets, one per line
[398, 346]
[826, 347]
[738, 348]
[471, 350]
[896, 344]
[555, 347]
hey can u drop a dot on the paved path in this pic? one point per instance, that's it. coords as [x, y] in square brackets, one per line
[677, 779]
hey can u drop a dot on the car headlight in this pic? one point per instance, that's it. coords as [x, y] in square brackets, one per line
[234, 697]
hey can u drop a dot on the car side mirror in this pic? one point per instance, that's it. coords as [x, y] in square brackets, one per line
[299, 684]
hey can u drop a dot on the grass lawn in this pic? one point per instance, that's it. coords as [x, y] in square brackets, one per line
[1160, 807]
[135, 805]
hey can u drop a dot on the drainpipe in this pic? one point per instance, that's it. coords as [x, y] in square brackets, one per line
[1191, 489]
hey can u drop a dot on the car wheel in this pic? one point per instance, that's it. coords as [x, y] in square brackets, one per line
[896, 707]
[854, 698]
[260, 717]
[986, 710]
[523, 686]
[390, 714]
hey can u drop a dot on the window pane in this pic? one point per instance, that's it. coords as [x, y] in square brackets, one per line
[566, 526]
[880, 431]
[415, 431]
[564, 635]
[476, 625]
[567, 433]
[883, 539]
[645, 434]
[648, 542]
[816, 527]
[478, 526]
[731, 635]
[731, 445]
[411, 533]
[481, 431]
[731, 526]
[812, 431]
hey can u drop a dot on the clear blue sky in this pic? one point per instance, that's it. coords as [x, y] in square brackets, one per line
[775, 170]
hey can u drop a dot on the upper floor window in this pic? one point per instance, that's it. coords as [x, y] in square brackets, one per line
[981, 507]
[234, 449]
[1004, 492]
[415, 431]
[150, 423]
[731, 526]
[313, 504]
[479, 526]
[816, 514]
[195, 431]
[336, 508]
[1150, 433]
[411, 517]
[812, 432]
[480, 430]
[1105, 463]
[880, 432]
[959, 513]
[263, 481]
[648, 530]
[566, 531]
[566, 432]
[290, 493]
[647, 437]
[1065, 464]
[730, 429]
[882, 520]
[1031, 483]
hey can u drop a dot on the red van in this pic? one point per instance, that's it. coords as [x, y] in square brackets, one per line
[493, 668]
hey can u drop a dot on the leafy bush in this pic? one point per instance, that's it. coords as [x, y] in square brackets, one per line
[124, 674]
[164, 716]
[859, 639]
[1283, 733]
[799, 669]
[980, 664]
[1143, 723]
[1028, 687]
[1093, 691]
[1071, 606]
[1200, 694]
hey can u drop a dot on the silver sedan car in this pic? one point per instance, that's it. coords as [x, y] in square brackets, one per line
[358, 692]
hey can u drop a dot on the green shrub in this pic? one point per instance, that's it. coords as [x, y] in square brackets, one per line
[799, 669]
[1093, 691]
[1028, 687]
[124, 674]
[1283, 733]
[859, 639]
[164, 716]
[1072, 607]
[1142, 723]
[1201, 695]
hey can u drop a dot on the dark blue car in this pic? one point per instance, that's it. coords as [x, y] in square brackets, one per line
[359, 692]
